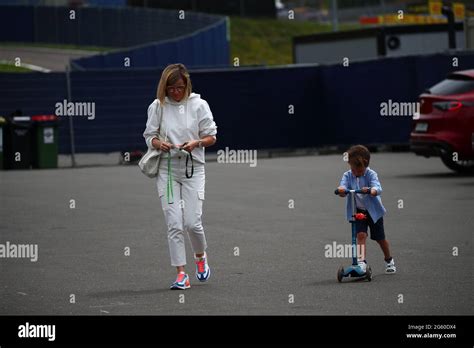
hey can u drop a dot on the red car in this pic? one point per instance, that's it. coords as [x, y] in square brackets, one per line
[445, 125]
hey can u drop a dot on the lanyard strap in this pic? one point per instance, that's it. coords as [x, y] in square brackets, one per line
[189, 155]
[169, 189]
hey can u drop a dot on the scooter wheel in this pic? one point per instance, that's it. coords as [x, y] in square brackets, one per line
[369, 274]
[340, 274]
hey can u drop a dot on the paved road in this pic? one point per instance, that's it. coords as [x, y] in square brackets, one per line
[281, 250]
[48, 58]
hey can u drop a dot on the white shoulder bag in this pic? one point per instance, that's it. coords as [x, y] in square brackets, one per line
[150, 162]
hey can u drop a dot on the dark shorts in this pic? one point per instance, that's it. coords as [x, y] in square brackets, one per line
[376, 229]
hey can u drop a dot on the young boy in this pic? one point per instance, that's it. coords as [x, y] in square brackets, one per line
[362, 177]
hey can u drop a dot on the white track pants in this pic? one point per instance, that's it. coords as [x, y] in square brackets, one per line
[184, 211]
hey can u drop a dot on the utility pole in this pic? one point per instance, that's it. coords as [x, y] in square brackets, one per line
[448, 12]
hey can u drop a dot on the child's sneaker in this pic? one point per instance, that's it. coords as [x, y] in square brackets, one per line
[203, 272]
[181, 282]
[362, 265]
[390, 267]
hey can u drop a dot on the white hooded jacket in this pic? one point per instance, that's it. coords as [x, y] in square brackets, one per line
[190, 119]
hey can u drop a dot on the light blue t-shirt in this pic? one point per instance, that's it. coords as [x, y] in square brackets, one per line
[372, 204]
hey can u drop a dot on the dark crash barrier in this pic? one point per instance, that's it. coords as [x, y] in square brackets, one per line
[154, 37]
[254, 108]
[97, 26]
[207, 47]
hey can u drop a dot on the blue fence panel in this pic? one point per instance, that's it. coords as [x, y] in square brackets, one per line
[16, 24]
[113, 26]
[252, 107]
[109, 25]
[68, 28]
[33, 93]
[354, 96]
[24, 2]
[103, 3]
[427, 76]
[121, 103]
[46, 25]
[166, 53]
[107, 3]
[207, 48]
[114, 59]
[220, 40]
[91, 35]
[332, 104]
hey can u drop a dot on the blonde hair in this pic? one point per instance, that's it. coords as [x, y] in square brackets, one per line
[170, 75]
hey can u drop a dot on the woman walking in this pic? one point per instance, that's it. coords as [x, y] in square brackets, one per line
[181, 125]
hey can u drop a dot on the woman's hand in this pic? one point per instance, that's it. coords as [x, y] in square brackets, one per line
[161, 145]
[191, 145]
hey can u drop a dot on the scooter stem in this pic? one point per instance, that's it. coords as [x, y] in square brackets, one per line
[354, 229]
[354, 243]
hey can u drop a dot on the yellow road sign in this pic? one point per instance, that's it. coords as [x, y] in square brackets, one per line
[435, 7]
[459, 10]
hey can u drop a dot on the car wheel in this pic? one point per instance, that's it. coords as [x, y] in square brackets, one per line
[458, 166]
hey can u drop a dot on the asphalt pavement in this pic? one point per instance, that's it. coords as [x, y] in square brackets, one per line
[102, 245]
[53, 59]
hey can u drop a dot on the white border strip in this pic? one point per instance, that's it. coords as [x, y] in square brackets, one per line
[27, 66]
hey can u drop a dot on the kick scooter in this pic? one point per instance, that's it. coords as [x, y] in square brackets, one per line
[354, 270]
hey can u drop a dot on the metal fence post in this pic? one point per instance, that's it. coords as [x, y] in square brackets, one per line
[335, 22]
[71, 123]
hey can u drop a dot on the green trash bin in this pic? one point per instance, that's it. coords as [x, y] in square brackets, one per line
[3, 123]
[45, 141]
